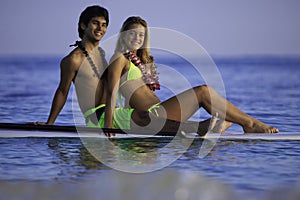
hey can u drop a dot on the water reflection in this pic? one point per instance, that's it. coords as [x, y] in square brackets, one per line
[73, 159]
[137, 155]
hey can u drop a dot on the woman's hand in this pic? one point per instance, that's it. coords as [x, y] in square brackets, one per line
[109, 134]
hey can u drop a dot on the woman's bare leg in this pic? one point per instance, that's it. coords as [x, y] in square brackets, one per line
[206, 97]
[144, 119]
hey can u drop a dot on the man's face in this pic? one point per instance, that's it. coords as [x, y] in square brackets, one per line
[96, 29]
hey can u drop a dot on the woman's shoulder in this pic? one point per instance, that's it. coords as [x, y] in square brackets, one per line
[119, 58]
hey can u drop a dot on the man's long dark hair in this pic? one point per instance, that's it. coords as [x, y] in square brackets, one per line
[88, 14]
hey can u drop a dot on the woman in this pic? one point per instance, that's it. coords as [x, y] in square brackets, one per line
[132, 82]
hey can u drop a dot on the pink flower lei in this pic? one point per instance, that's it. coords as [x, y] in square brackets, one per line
[150, 76]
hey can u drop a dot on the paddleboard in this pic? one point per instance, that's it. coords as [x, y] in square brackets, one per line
[249, 136]
[10, 130]
[31, 130]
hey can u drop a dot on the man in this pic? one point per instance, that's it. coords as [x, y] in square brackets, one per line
[76, 66]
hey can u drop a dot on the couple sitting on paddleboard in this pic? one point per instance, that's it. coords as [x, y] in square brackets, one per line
[132, 74]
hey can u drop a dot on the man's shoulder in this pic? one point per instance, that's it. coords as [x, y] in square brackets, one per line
[73, 59]
[101, 50]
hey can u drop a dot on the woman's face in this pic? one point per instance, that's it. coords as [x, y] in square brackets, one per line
[134, 37]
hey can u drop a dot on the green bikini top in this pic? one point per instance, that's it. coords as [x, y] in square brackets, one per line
[133, 73]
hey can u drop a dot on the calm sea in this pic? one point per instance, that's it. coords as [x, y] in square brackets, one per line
[47, 168]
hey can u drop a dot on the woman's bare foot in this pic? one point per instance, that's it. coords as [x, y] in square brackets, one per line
[218, 126]
[213, 125]
[260, 127]
[221, 126]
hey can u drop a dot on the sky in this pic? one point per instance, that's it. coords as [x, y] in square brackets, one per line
[222, 27]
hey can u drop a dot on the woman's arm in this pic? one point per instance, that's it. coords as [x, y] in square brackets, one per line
[115, 68]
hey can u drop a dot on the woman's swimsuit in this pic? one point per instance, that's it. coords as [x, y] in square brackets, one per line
[133, 73]
[95, 117]
[122, 116]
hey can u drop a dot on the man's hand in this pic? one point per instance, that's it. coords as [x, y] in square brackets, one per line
[36, 123]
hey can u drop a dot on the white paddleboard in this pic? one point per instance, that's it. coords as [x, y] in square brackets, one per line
[6, 133]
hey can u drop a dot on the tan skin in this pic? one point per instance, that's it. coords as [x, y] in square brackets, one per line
[140, 97]
[70, 65]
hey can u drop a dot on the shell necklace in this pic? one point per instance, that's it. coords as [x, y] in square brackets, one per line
[88, 57]
[150, 76]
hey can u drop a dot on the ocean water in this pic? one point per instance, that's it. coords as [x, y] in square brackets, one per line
[264, 87]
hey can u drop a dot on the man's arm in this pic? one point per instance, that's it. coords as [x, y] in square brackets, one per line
[68, 70]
